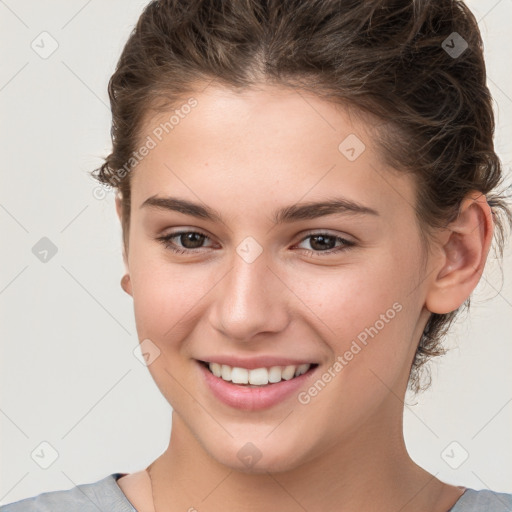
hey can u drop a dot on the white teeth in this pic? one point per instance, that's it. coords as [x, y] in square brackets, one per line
[257, 376]
[288, 372]
[226, 372]
[239, 376]
[216, 369]
[274, 374]
[303, 368]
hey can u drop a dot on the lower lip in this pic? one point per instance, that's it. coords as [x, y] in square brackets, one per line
[253, 398]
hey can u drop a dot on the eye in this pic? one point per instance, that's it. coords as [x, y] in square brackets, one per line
[190, 239]
[321, 242]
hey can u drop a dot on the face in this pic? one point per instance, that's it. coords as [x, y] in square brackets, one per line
[267, 280]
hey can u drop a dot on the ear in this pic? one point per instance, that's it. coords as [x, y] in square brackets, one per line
[464, 248]
[119, 210]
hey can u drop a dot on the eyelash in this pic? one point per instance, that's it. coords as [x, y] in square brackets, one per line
[166, 241]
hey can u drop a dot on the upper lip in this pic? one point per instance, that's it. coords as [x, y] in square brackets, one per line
[263, 361]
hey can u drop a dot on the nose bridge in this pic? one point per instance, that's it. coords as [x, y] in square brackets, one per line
[250, 298]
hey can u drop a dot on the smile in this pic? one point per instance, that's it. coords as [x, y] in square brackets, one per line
[257, 376]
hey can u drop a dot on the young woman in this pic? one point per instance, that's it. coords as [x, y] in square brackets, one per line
[308, 195]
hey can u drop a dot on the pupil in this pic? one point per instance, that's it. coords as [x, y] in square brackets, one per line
[321, 238]
[189, 237]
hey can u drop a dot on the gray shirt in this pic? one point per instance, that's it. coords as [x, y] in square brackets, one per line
[105, 495]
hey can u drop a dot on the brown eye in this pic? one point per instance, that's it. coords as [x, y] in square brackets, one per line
[189, 241]
[325, 243]
[321, 242]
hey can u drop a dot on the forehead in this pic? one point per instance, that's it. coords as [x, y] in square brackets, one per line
[266, 146]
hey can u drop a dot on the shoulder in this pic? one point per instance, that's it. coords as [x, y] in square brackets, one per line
[483, 501]
[103, 495]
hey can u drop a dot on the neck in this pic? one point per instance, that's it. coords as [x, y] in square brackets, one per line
[371, 470]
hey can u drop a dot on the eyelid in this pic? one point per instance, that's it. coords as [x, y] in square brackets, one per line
[186, 229]
[328, 232]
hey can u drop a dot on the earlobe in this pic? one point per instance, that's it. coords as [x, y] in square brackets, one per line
[126, 284]
[462, 257]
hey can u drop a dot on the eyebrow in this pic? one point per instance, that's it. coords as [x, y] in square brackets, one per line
[288, 214]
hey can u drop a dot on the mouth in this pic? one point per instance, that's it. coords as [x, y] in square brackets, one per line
[257, 377]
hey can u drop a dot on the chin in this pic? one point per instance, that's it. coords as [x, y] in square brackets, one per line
[249, 459]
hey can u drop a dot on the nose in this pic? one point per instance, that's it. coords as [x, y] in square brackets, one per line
[250, 299]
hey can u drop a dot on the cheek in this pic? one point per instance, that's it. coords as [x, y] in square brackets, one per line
[369, 337]
[167, 297]
[353, 297]
[367, 315]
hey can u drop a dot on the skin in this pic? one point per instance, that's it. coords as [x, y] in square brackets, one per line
[246, 155]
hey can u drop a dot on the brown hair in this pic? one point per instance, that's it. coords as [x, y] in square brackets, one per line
[398, 60]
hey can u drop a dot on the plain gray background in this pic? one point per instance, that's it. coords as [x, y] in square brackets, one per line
[69, 376]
